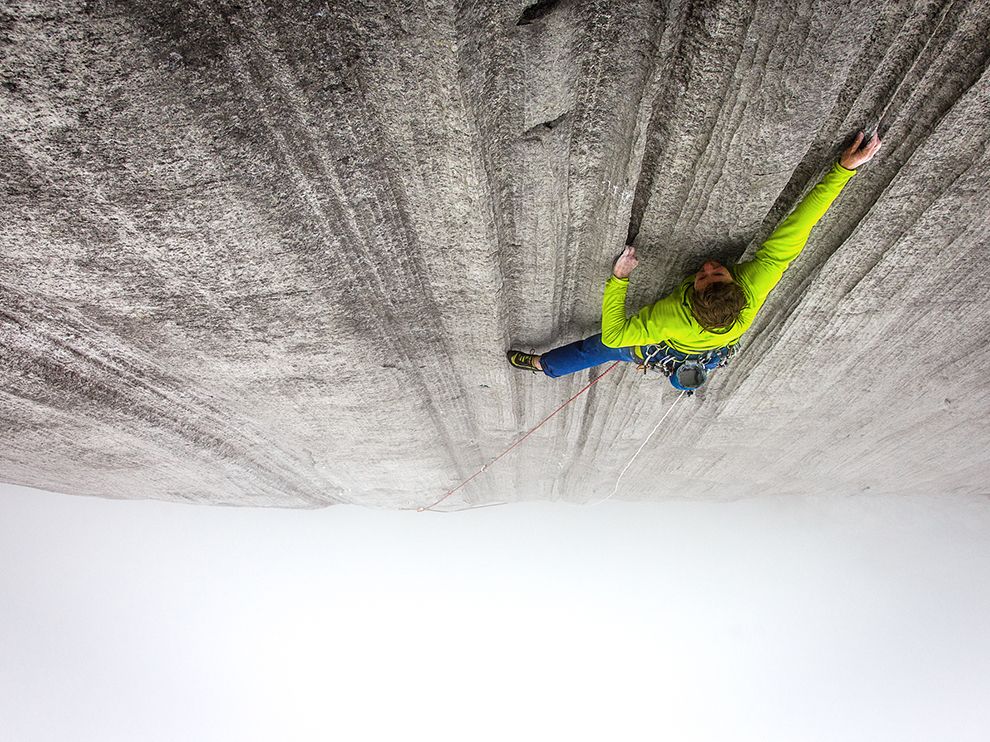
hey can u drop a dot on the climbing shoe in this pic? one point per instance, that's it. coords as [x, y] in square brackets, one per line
[525, 361]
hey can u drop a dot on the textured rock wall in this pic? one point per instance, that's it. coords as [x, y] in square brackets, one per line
[272, 252]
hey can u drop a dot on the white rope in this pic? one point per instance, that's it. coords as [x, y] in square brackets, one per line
[642, 446]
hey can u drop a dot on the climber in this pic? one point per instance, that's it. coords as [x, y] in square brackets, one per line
[697, 327]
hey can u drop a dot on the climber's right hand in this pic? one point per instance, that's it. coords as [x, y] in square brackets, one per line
[625, 263]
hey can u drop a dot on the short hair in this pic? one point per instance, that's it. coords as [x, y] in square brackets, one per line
[717, 306]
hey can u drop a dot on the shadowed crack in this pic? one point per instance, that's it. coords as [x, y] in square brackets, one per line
[546, 125]
[536, 11]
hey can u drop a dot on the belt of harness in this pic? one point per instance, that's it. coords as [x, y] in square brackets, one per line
[686, 371]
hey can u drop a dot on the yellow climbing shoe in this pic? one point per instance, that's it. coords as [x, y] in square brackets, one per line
[525, 361]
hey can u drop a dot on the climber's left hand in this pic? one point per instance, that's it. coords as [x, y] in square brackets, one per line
[854, 156]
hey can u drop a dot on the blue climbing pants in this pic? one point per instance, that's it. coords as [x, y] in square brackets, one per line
[582, 354]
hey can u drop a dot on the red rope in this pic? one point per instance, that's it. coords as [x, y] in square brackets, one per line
[531, 431]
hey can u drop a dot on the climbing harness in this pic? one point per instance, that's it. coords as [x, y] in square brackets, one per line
[641, 447]
[687, 372]
[530, 432]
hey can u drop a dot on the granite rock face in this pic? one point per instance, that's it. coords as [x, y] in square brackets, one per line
[272, 253]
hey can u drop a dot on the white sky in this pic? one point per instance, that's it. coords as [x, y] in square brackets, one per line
[802, 620]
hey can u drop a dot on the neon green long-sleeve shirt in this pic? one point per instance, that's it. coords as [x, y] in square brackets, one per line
[670, 320]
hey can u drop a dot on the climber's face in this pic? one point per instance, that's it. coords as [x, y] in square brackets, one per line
[711, 272]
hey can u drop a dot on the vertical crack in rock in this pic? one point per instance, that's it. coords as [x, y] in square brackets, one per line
[672, 60]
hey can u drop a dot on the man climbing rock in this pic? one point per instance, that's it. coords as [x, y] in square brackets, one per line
[696, 328]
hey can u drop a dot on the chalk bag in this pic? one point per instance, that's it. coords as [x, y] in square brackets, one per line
[689, 375]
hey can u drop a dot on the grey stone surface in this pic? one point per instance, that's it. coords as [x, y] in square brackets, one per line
[264, 253]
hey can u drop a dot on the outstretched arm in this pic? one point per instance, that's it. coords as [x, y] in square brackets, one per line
[767, 267]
